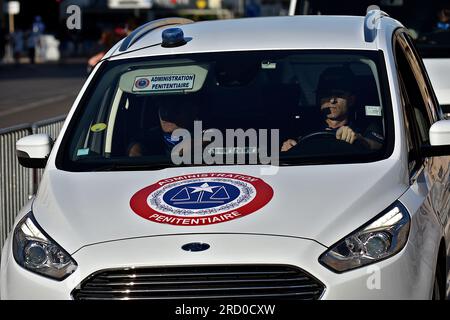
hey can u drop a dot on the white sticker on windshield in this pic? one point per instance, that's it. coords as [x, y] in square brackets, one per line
[83, 152]
[164, 82]
[373, 111]
[232, 150]
[268, 65]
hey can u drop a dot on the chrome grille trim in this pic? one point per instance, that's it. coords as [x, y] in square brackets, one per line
[200, 282]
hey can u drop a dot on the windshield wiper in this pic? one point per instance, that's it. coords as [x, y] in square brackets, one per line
[328, 159]
[133, 167]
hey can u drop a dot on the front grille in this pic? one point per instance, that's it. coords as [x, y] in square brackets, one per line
[200, 282]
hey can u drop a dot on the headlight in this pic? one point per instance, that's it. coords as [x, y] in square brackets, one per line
[36, 252]
[381, 238]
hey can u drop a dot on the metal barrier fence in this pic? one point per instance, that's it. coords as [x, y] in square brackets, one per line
[18, 184]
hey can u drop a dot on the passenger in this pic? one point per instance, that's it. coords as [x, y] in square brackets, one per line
[174, 112]
[336, 98]
[443, 18]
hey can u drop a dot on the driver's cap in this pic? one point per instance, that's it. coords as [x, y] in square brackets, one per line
[336, 78]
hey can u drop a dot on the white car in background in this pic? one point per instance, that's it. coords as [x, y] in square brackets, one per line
[428, 29]
[331, 220]
[439, 72]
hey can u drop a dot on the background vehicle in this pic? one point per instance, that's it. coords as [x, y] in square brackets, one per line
[429, 30]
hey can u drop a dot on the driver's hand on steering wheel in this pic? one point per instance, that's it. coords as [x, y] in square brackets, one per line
[346, 134]
[289, 143]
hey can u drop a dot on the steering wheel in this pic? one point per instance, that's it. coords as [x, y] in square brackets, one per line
[317, 135]
[324, 143]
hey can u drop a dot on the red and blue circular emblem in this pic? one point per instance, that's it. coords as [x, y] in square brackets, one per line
[201, 199]
[142, 83]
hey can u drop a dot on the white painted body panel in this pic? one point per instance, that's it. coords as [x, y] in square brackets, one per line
[227, 250]
[280, 33]
[440, 133]
[35, 146]
[310, 202]
[245, 34]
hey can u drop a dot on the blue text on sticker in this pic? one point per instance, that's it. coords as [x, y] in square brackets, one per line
[83, 152]
[164, 82]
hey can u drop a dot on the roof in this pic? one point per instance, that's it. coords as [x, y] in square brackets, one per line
[268, 33]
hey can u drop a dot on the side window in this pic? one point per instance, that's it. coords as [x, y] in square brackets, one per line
[413, 90]
[411, 143]
[427, 91]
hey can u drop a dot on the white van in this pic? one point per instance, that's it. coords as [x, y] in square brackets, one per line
[296, 157]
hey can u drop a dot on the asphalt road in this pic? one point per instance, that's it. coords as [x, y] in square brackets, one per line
[30, 93]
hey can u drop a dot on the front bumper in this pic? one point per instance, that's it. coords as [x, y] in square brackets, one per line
[396, 278]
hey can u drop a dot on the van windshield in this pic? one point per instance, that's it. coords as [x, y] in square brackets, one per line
[232, 108]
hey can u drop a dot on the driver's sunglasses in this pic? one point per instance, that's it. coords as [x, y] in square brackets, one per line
[327, 95]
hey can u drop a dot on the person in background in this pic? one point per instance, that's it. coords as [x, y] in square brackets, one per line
[17, 42]
[31, 42]
[3, 34]
[38, 26]
[443, 18]
[253, 9]
[34, 41]
[107, 40]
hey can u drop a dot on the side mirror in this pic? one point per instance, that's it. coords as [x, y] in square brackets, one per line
[33, 151]
[439, 140]
[440, 133]
[446, 110]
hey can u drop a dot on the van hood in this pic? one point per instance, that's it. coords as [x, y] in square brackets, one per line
[322, 203]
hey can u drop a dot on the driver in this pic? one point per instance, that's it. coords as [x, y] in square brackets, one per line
[337, 100]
